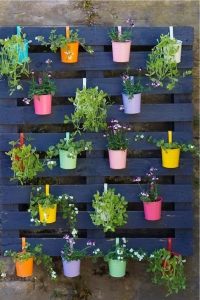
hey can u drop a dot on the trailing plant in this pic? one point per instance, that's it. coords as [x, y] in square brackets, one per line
[109, 210]
[130, 86]
[10, 66]
[56, 41]
[90, 110]
[161, 68]
[167, 270]
[72, 147]
[38, 256]
[2, 270]
[116, 136]
[65, 202]
[151, 194]
[69, 252]
[25, 161]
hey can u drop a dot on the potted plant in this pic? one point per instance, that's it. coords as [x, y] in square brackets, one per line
[121, 44]
[117, 257]
[68, 150]
[68, 44]
[25, 259]
[161, 66]
[109, 210]
[167, 270]
[173, 49]
[71, 257]
[117, 145]
[45, 205]
[131, 94]
[14, 60]
[90, 110]
[152, 202]
[25, 162]
[41, 91]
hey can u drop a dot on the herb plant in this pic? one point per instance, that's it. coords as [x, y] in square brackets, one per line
[57, 41]
[130, 87]
[125, 36]
[109, 210]
[161, 69]
[38, 256]
[25, 162]
[167, 270]
[90, 110]
[116, 136]
[69, 252]
[65, 202]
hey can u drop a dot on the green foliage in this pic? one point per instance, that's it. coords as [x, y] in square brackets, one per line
[90, 110]
[167, 270]
[2, 270]
[65, 202]
[57, 41]
[125, 36]
[161, 67]
[25, 162]
[116, 136]
[38, 256]
[9, 61]
[88, 8]
[130, 87]
[109, 210]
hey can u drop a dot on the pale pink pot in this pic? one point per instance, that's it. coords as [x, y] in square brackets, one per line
[42, 104]
[152, 210]
[117, 159]
[121, 51]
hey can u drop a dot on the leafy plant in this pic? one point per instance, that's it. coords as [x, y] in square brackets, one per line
[65, 202]
[161, 67]
[25, 162]
[151, 194]
[38, 256]
[125, 36]
[90, 110]
[130, 87]
[116, 136]
[69, 253]
[168, 270]
[109, 210]
[10, 66]
[2, 270]
[56, 41]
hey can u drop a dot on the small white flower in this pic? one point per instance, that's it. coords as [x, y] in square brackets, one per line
[74, 232]
[3, 274]
[71, 197]
[32, 220]
[131, 250]
[124, 240]
[36, 38]
[19, 87]
[38, 189]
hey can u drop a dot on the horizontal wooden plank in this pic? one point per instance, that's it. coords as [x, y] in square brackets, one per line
[100, 167]
[170, 219]
[84, 193]
[149, 113]
[141, 35]
[112, 86]
[53, 246]
[98, 140]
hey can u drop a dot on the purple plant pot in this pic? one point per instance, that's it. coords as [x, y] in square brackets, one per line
[132, 105]
[71, 268]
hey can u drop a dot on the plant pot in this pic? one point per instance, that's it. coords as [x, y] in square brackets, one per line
[177, 56]
[66, 162]
[117, 268]
[152, 210]
[69, 53]
[42, 104]
[24, 268]
[170, 158]
[71, 268]
[121, 51]
[117, 159]
[22, 52]
[47, 214]
[132, 105]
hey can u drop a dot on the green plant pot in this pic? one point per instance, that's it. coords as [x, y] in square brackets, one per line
[117, 268]
[66, 162]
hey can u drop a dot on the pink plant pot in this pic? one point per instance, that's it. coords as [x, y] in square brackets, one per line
[121, 51]
[132, 105]
[42, 104]
[152, 210]
[117, 159]
[71, 268]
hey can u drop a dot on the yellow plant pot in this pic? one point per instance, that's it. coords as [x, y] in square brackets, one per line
[170, 158]
[47, 214]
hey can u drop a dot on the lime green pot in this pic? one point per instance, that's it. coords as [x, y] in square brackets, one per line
[67, 162]
[117, 268]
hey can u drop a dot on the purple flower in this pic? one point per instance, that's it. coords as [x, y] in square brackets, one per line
[48, 61]
[90, 243]
[66, 237]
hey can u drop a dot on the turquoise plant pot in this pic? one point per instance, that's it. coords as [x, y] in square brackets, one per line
[117, 268]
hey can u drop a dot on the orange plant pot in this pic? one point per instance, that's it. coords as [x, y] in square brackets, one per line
[69, 53]
[24, 268]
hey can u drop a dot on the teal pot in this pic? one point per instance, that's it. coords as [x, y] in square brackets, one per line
[117, 268]
[67, 162]
[23, 52]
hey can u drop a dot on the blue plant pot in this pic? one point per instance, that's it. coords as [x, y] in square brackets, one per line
[23, 52]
